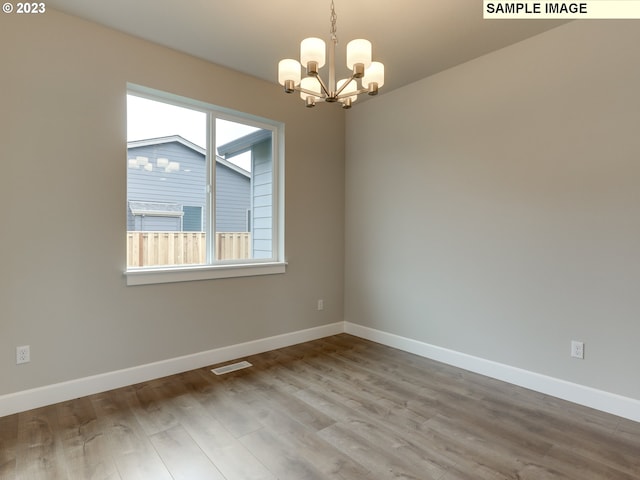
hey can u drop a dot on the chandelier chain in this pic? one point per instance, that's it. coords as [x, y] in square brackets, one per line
[333, 18]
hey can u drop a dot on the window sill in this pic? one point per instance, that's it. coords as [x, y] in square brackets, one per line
[148, 276]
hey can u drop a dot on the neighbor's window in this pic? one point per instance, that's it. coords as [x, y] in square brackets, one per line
[204, 191]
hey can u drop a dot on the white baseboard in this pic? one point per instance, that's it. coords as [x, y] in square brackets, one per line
[60, 392]
[590, 397]
[38, 397]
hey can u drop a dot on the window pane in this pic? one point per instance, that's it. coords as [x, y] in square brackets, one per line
[201, 190]
[192, 219]
[166, 184]
[243, 192]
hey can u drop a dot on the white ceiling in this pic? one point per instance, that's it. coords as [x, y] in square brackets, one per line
[413, 38]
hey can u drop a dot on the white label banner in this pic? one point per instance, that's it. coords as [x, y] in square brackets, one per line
[587, 9]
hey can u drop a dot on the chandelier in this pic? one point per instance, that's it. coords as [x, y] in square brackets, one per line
[312, 57]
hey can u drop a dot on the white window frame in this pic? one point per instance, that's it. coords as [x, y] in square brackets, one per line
[229, 268]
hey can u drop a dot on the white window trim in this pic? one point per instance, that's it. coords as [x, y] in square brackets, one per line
[185, 273]
[151, 275]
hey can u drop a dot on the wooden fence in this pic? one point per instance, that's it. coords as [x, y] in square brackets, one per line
[145, 249]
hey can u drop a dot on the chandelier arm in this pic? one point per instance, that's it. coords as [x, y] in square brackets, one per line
[310, 92]
[370, 91]
[351, 94]
[344, 85]
[323, 87]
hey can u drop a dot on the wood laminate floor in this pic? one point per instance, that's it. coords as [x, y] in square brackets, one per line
[336, 408]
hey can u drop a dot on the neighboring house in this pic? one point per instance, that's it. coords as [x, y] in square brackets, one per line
[261, 216]
[166, 188]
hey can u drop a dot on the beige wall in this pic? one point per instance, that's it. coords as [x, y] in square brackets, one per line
[63, 188]
[493, 209]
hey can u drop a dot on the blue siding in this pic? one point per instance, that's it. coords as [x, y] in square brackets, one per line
[185, 187]
[157, 224]
[262, 199]
[233, 199]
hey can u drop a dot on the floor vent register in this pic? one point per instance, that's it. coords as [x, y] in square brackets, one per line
[232, 367]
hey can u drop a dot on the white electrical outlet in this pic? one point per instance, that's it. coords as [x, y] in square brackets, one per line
[577, 349]
[23, 354]
[320, 304]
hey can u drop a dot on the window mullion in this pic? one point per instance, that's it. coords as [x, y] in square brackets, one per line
[211, 179]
